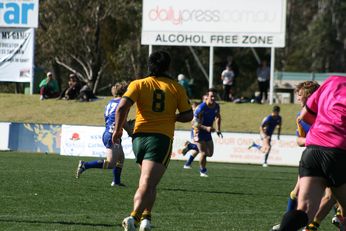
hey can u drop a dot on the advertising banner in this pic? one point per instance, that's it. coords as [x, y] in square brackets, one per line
[35, 137]
[233, 148]
[19, 13]
[246, 23]
[87, 141]
[16, 55]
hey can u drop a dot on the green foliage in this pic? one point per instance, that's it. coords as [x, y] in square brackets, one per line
[106, 37]
[40, 192]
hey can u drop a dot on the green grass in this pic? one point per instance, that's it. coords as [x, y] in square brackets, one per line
[29, 109]
[39, 192]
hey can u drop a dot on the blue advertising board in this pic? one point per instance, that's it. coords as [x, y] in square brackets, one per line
[29, 137]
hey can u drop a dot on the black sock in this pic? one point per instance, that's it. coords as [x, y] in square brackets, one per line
[293, 220]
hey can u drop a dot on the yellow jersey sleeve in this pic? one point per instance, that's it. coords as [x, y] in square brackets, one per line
[183, 101]
[132, 91]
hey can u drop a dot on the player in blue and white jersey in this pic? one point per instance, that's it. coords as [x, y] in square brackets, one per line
[114, 152]
[267, 128]
[204, 116]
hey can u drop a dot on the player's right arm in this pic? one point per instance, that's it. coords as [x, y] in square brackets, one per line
[123, 109]
[263, 126]
[301, 132]
[120, 118]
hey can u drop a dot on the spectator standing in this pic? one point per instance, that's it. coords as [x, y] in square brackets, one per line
[227, 77]
[235, 68]
[183, 81]
[263, 79]
[49, 87]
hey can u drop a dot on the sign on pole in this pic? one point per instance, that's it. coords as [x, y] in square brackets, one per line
[19, 13]
[223, 23]
[16, 54]
[17, 41]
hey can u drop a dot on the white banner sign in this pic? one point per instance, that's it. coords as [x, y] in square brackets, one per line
[246, 23]
[87, 141]
[19, 13]
[5, 134]
[16, 54]
[233, 148]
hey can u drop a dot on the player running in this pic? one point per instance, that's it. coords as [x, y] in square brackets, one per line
[204, 116]
[267, 128]
[114, 152]
[157, 98]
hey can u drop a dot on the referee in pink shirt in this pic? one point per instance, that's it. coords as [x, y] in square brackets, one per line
[323, 163]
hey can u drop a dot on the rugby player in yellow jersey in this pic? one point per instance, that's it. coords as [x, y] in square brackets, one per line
[157, 99]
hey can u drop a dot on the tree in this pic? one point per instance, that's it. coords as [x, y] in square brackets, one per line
[70, 34]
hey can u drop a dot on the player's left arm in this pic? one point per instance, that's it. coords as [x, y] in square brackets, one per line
[218, 122]
[279, 128]
[218, 125]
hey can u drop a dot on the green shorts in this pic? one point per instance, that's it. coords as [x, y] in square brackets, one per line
[152, 146]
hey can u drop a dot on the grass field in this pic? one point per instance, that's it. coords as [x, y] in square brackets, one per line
[39, 192]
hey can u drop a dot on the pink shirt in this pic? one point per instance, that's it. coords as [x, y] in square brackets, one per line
[329, 103]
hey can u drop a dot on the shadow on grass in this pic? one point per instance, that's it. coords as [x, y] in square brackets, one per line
[58, 222]
[216, 192]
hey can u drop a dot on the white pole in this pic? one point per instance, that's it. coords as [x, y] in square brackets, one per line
[256, 55]
[211, 66]
[199, 63]
[150, 49]
[32, 64]
[272, 63]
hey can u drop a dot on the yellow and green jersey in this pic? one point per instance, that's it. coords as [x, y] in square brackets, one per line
[157, 100]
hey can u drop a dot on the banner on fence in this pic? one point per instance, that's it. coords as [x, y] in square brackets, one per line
[233, 148]
[87, 141]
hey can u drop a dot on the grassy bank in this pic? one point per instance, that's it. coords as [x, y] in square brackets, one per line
[28, 108]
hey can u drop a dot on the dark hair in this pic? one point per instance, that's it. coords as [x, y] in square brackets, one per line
[158, 63]
[276, 109]
[73, 77]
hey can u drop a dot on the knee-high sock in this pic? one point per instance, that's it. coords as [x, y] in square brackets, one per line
[266, 157]
[293, 220]
[117, 174]
[190, 160]
[292, 202]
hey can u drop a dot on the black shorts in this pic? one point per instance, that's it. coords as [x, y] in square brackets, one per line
[329, 163]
